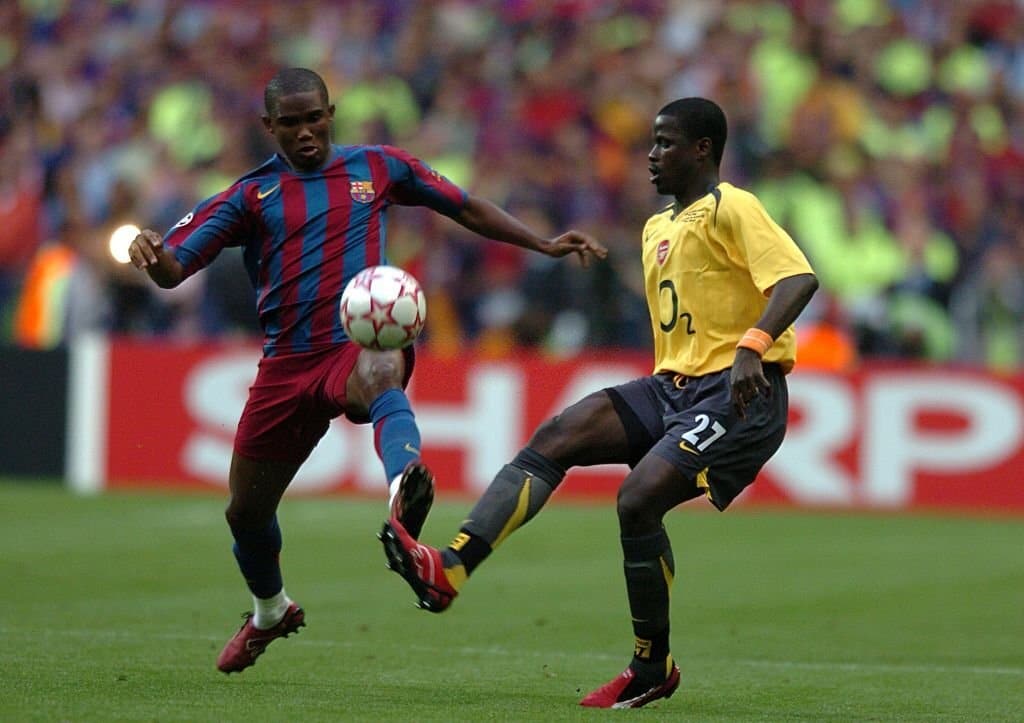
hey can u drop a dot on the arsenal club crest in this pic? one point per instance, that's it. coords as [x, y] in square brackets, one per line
[662, 251]
[361, 191]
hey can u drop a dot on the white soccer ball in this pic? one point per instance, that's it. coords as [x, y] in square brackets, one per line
[383, 307]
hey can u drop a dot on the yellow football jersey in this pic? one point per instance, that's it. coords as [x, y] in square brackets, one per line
[708, 271]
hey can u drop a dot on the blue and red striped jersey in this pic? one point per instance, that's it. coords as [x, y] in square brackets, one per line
[304, 235]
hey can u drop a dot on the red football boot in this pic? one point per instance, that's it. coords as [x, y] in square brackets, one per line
[420, 565]
[625, 691]
[250, 642]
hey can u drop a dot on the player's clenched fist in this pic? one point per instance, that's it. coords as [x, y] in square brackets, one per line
[147, 252]
[145, 249]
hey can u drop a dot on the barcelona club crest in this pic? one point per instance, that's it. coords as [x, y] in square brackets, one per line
[361, 191]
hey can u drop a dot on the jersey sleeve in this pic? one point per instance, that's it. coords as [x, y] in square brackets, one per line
[771, 253]
[414, 183]
[214, 224]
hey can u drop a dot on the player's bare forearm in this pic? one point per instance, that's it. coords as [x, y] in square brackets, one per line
[148, 253]
[788, 299]
[487, 219]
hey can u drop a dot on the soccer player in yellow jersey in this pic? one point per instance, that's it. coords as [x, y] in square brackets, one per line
[724, 285]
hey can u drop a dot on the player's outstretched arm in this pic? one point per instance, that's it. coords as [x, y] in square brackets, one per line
[148, 253]
[487, 219]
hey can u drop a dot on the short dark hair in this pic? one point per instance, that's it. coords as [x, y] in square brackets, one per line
[700, 118]
[289, 81]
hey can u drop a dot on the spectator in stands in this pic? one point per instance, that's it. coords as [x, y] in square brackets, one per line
[492, 91]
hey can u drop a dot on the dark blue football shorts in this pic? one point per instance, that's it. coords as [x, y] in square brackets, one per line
[690, 421]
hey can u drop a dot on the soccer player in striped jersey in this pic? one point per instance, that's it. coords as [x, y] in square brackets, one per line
[724, 285]
[309, 219]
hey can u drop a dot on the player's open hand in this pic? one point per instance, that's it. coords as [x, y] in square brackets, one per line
[579, 243]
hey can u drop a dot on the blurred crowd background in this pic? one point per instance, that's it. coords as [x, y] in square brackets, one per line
[887, 137]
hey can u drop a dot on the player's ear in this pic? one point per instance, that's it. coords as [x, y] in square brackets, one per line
[330, 111]
[704, 147]
[267, 124]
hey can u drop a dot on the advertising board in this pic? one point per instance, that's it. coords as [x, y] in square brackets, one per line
[885, 437]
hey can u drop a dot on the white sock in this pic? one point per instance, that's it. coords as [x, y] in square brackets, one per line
[393, 490]
[267, 612]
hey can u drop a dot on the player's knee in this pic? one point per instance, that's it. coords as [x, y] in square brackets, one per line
[635, 511]
[378, 372]
[581, 434]
[243, 517]
[554, 439]
[235, 517]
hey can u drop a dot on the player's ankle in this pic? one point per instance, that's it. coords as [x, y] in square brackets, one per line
[268, 612]
[652, 671]
[456, 575]
[468, 550]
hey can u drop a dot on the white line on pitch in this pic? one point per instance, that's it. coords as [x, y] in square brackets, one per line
[497, 650]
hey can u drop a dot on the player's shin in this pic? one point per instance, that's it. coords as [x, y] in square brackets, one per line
[517, 493]
[258, 554]
[649, 568]
[396, 436]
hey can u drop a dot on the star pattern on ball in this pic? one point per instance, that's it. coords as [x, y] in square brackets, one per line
[380, 314]
[383, 307]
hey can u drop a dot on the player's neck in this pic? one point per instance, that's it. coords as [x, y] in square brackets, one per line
[698, 189]
[328, 159]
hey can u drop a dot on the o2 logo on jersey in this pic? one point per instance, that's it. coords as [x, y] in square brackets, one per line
[675, 316]
[186, 220]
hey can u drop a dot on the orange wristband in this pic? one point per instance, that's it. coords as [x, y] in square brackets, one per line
[757, 340]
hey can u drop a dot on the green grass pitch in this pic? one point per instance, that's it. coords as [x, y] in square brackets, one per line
[115, 607]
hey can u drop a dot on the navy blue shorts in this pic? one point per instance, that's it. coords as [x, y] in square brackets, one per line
[690, 421]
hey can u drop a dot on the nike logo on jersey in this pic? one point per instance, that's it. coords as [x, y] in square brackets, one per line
[409, 448]
[687, 448]
[261, 194]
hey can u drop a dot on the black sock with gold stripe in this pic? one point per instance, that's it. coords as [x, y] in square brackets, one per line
[650, 569]
[517, 493]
